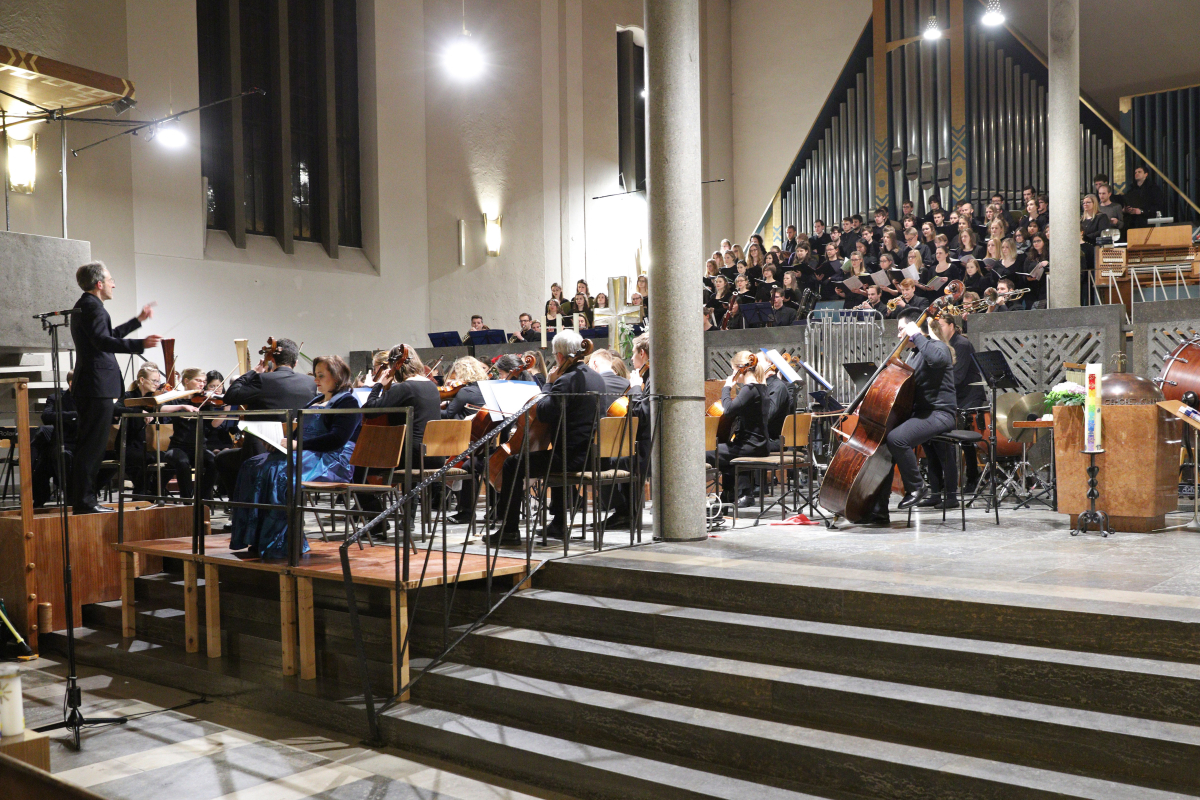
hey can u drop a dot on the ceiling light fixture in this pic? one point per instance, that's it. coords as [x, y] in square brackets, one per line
[994, 14]
[932, 31]
[463, 59]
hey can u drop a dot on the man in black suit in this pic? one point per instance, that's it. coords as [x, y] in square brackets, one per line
[781, 314]
[601, 362]
[267, 386]
[580, 411]
[97, 381]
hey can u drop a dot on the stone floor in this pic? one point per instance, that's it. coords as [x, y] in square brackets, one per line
[222, 750]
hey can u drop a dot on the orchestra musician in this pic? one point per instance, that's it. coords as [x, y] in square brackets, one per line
[969, 394]
[45, 443]
[182, 447]
[402, 384]
[749, 409]
[579, 409]
[465, 403]
[273, 384]
[97, 380]
[601, 362]
[328, 443]
[639, 409]
[933, 410]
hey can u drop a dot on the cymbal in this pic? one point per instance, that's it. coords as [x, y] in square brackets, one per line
[1031, 404]
[1004, 404]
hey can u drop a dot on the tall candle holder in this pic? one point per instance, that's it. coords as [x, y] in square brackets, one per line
[1092, 516]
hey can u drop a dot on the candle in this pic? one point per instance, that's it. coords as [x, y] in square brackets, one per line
[12, 711]
[1091, 410]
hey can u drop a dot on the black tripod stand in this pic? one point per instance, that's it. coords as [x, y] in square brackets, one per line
[993, 366]
[74, 720]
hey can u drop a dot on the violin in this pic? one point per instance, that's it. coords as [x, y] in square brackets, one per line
[725, 426]
[269, 352]
[450, 388]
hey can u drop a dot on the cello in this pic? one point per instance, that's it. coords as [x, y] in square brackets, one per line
[862, 465]
[540, 433]
[725, 424]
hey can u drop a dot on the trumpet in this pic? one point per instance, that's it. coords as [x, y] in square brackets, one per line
[895, 301]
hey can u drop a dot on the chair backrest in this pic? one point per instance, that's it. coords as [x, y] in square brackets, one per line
[795, 430]
[378, 447]
[616, 436]
[164, 432]
[446, 437]
[710, 432]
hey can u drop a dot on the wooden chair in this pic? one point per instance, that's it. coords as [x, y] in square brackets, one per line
[158, 441]
[616, 438]
[379, 448]
[793, 455]
[712, 474]
[443, 438]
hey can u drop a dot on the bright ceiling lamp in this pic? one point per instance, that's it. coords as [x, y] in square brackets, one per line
[993, 15]
[463, 59]
[932, 31]
[170, 136]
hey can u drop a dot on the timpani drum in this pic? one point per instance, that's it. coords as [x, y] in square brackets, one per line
[1181, 370]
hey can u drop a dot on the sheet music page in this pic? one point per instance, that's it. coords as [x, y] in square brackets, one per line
[361, 394]
[503, 398]
[911, 272]
[269, 431]
[852, 283]
[938, 282]
[881, 278]
[785, 369]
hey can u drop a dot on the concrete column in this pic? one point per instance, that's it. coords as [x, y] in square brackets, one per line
[1062, 141]
[676, 252]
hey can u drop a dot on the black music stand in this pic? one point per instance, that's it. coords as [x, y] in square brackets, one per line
[757, 315]
[488, 337]
[445, 339]
[993, 366]
[860, 373]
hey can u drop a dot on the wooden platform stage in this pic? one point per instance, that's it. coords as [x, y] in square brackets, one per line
[373, 566]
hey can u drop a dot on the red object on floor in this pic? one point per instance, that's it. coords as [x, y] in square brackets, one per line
[799, 519]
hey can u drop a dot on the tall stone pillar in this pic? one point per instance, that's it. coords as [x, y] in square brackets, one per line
[676, 252]
[1062, 141]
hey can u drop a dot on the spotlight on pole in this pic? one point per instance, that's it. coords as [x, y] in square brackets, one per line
[932, 31]
[170, 136]
[463, 59]
[994, 14]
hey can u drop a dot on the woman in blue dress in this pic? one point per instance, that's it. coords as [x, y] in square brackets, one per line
[328, 442]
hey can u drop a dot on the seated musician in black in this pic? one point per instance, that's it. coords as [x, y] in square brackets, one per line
[403, 385]
[181, 450]
[932, 412]
[749, 411]
[44, 446]
[969, 394]
[464, 405]
[270, 385]
[779, 406]
[908, 299]
[575, 394]
[639, 409]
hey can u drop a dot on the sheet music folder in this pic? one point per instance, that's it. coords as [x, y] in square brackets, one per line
[445, 339]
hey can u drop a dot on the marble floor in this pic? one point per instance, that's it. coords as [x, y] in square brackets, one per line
[219, 750]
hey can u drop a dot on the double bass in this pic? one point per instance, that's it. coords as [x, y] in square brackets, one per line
[540, 433]
[862, 464]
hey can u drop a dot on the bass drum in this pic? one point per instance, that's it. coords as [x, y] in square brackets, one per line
[1181, 371]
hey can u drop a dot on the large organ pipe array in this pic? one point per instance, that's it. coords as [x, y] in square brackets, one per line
[1004, 87]
[1166, 127]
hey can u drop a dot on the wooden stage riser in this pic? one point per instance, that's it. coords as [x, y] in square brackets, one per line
[95, 566]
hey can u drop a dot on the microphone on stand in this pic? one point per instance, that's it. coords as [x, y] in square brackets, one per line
[56, 313]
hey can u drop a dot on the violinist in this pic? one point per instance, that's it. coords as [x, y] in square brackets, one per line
[272, 384]
[615, 386]
[510, 367]
[147, 381]
[219, 432]
[466, 402]
[182, 447]
[933, 410]
[575, 396]
[639, 409]
[538, 374]
[749, 409]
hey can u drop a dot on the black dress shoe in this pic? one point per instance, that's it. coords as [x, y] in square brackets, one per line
[747, 501]
[949, 502]
[930, 501]
[879, 521]
[505, 538]
[551, 532]
[913, 498]
[95, 508]
[463, 518]
[617, 522]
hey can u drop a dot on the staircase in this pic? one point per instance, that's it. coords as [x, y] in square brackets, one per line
[616, 678]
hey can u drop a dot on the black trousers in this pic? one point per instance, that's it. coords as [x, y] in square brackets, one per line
[940, 465]
[513, 483]
[95, 417]
[180, 460]
[724, 455]
[917, 429]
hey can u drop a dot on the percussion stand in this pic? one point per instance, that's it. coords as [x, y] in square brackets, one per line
[997, 375]
[1195, 520]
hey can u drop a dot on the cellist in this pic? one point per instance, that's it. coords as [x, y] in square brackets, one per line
[933, 410]
[575, 393]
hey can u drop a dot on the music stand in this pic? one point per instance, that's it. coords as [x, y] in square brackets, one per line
[861, 373]
[488, 337]
[757, 315]
[595, 333]
[993, 366]
[445, 339]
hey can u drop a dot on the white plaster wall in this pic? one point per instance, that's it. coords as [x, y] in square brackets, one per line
[786, 56]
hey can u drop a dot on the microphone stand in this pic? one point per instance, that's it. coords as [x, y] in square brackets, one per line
[74, 721]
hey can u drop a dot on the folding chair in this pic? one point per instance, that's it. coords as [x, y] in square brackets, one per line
[443, 438]
[615, 438]
[793, 455]
[378, 447]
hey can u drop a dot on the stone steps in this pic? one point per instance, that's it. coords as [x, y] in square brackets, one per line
[1154, 754]
[741, 747]
[1161, 690]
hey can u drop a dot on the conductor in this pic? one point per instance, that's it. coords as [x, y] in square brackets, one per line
[97, 383]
